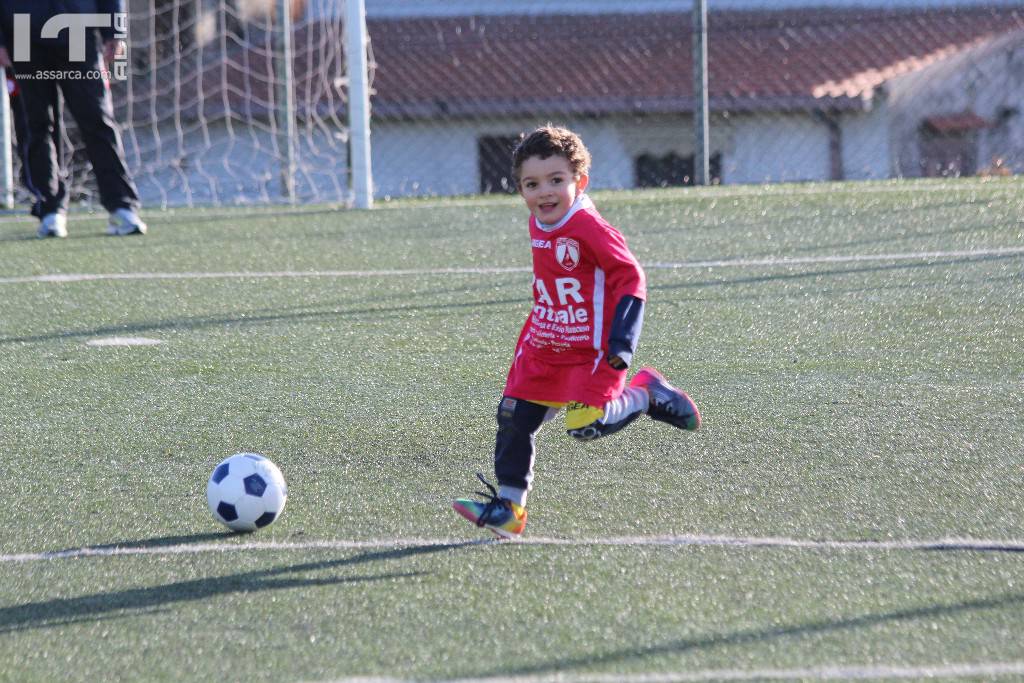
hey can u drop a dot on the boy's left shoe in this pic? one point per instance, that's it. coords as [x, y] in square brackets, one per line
[500, 515]
[125, 222]
[667, 404]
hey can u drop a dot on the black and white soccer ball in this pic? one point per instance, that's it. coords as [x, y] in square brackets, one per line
[246, 492]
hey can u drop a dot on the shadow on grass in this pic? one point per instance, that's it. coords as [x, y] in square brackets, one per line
[247, 318]
[134, 601]
[683, 646]
[380, 312]
[897, 237]
[835, 272]
[258, 317]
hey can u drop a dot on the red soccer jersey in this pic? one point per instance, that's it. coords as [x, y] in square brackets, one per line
[581, 270]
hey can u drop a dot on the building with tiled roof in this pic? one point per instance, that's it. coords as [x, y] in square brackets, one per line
[794, 94]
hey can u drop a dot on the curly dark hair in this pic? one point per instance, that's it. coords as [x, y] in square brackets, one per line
[548, 141]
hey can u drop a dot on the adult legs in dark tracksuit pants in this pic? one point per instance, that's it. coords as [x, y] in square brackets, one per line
[89, 102]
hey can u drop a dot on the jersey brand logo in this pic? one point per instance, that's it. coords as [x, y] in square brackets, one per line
[567, 252]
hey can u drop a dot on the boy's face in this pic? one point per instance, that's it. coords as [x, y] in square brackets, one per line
[549, 187]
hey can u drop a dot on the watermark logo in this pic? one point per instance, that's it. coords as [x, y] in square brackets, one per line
[77, 26]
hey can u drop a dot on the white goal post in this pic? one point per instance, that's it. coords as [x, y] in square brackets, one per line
[359, 103]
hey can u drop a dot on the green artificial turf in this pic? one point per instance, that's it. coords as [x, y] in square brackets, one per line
[855, 351]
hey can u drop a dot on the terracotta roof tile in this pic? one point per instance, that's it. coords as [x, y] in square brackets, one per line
[643, 62]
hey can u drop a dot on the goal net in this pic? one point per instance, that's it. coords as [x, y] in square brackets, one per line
[203, 110]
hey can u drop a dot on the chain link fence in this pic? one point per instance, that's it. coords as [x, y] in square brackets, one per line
[811, 93]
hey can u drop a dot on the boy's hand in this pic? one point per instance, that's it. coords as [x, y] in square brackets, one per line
[616, 362]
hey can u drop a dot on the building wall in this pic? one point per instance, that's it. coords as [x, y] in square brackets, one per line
[414, 159]
[663, 134]
[440, 158]
[866, 147]
[988, 81]
[768, 148]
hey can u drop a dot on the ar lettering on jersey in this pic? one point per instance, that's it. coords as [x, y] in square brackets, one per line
[567, 289]
[541, 244]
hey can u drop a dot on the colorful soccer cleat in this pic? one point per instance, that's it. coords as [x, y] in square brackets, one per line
[667, 404]
[500, 515]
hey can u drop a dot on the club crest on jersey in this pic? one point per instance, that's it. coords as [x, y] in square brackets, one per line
[567, 252]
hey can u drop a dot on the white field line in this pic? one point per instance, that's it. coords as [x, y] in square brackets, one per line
[768, 262]
[828, 673]
[766, 190]
[256, 274]
[949, 544]
[123, 341]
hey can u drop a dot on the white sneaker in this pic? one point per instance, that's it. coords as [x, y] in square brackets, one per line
[53, 225]
[125, 222]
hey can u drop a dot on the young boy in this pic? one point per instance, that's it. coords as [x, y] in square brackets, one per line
[577, 343]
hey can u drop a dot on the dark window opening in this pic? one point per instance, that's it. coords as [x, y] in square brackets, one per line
[948, 155]
[672, 170]
[494, 154]
[949, 144]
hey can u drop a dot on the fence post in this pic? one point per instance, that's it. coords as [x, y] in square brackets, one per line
[286, 99]
[701, 153]
[358, 103]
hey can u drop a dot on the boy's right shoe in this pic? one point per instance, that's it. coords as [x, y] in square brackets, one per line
[125, 222]
[667, 404]
[500, 515]
[53, 225]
